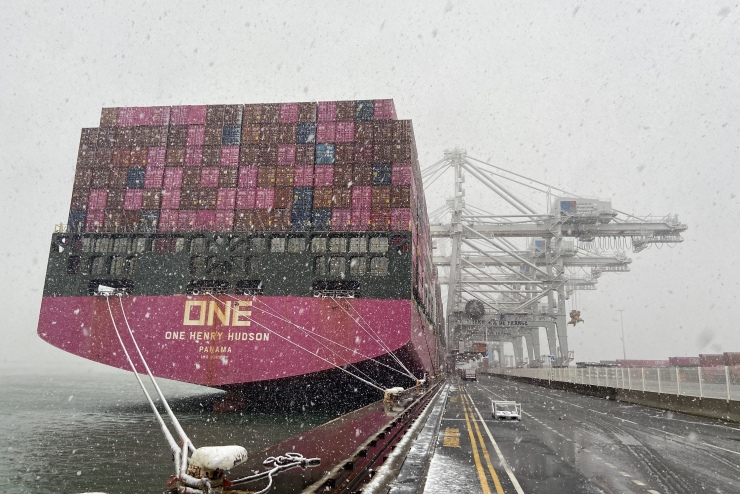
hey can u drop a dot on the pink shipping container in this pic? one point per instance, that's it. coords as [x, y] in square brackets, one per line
[132, 200]
[224, 220]
[400, 220]
[246, 198]
[323, 176]
[360, 220]
[167, 220]
[286, 154]
[288, 113]
[171, 199]
[384, 110]
[633, 364]
[97, 200]
[226, 199]
[209, 177]
[684, 361]
[230, 156]
[710, 359]
[341, 219]
[194, 156]
[327, 111]
[401, 174]
[188, 115]
[326, 131]
[186, 220]
[126, 116]
[303, 176]
[204, 220]
[345, 132]
[196, 135]
[154, 177]
[248, 176]
[94, 220]
[361, 198]
[265, 198]
[173, 178]
[156, 156]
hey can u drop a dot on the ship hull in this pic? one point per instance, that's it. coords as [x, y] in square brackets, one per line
[227, 341]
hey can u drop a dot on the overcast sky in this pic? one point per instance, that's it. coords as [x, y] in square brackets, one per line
[636, 102]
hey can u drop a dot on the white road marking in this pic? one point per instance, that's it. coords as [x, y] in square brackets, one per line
[654, 492]
[625, 474]
[609, 465]
[638, 482]
[698, 442]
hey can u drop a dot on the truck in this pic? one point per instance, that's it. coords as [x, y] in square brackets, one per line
[501, 409]
[468, 375]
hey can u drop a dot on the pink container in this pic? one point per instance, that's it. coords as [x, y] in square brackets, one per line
[230, 156]
[194, 156]
[401, 174]
[345, 132]
[171, 199]
[288, 112]
[265, 198]
[362, 198]
[400, 220]
[226, 199]
[186, 220]
[167, 220]
[94, 220]
[126, 117]
[188, 115]
[156, 156]
[360, 220]
[303, 176]
[385, 110]
[286, 154]
[154, 177]
[204, 220]
[247, 177]
[224, 220]
[132, 200]
[158, 116]
[327, 111]
[209, 177]
[97, 200]
[323, 176]
[341, 219]
[246, 198]
[196, 135]
[326, 131]
[172, 178]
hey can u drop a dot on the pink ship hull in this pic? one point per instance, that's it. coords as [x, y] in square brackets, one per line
[235, 340]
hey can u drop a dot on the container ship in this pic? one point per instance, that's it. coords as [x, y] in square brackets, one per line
[277, 251]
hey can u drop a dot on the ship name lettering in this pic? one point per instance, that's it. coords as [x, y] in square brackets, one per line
[214, 349]
[210, 311]
[174, 335]
[205, 335]
[247, 336]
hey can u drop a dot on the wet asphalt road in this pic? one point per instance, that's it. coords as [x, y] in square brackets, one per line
[569, 443]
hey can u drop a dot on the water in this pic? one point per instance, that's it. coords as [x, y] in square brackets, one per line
[95, 432]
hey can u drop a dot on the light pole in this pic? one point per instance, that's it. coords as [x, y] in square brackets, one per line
[621, 320]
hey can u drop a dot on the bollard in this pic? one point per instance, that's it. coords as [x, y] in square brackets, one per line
[701, 390]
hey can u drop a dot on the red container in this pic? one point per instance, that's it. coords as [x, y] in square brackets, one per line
[171, 199]
[403, 132]
[364, 131]
[401, 152]
[224, 221]
[326, 131]
[121, 157]
[265, 198]
[94, 220]
[115, 199]
[204, 220]
[327, 111]
[362, 174]
[380, 220]
[381, 197]
[196, 135]
[172, 178]
[103, 158]
[133, 199]
[80, 199]
[230, 156]
[167, 221]
[83, 176]
[154, 177]
[683, 361]
[362, 197]
[213, 135]
[211, 155]
[228, 178]
[176, 156]
[283, 197]
[207, 199]
[323, 197]
[303, 176]
[157, 136]
[345, 110]
[251, 134]
[383, 131]
[151, 199]
[156, 156]
[360, 220]
[305, 154]
[400, 220]
[323, 176]
[383, 153]
[233, 114]
[711, 359]
[341, 219]
[345, 132]
[226, 199]
[289, 112]
[364, 152]
[246, 198]
[209, 177]
[97, 200]
[384, 109]
[248, 176]
[307, 112]
[344, 153]
[342, 197]
[266, 176]
[286, 154]
[400, 196]
[109, 117]
[401, 174]
[283, 176]
[186, 220]
[732, 358]
[191, 177]
[177, 136]
[342, 175]
[138, 157]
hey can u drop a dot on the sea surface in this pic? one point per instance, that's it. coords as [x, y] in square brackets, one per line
[87, 432]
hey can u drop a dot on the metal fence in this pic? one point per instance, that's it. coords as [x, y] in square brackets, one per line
[722, 382]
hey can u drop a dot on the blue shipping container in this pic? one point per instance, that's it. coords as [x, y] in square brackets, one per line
[149, 220]
[324, 154]
[382, 174]
[302, 198]
[364, 110]
[300, 219]
[305, 133]
[231, 135]
[76, 221]
[321, 219]
[135, 178]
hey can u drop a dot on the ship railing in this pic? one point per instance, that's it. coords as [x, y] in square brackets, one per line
[335, 293]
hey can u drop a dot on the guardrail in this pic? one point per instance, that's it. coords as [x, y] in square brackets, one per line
[720, 382]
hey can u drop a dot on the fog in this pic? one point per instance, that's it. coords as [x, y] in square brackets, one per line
[636, 102]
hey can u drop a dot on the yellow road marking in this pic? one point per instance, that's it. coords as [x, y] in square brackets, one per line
[451, 437]
[496, 481]
[453, 399]
[478, 465]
